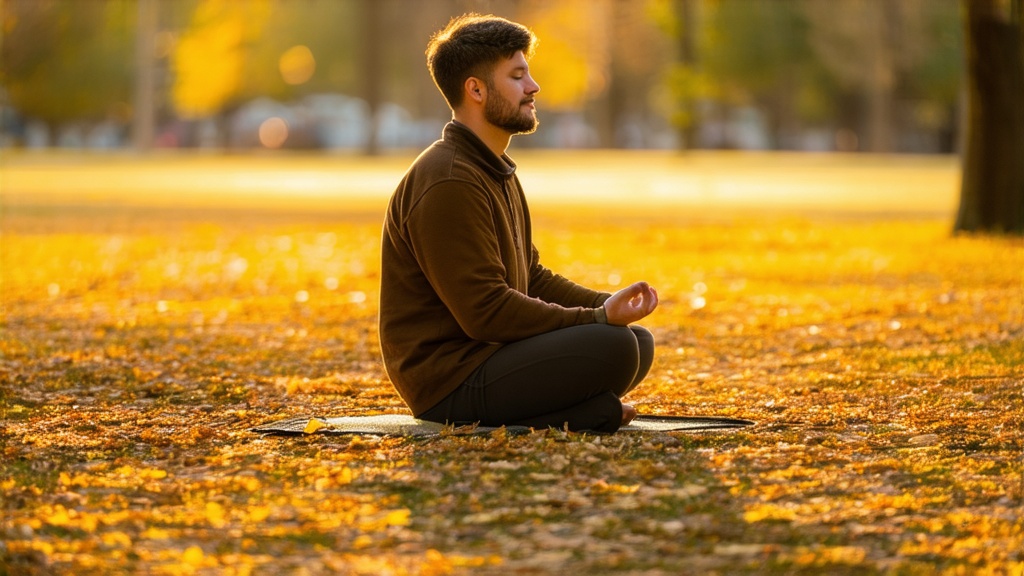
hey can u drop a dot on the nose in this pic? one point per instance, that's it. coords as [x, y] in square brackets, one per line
[531, 85]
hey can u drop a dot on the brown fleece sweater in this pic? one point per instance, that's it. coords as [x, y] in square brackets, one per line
[459, 273]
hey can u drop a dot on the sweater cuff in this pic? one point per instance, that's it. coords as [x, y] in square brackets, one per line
[600, 315]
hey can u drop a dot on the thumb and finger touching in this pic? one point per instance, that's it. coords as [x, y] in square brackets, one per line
[631, 304]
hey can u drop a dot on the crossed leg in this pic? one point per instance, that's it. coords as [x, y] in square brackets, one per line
[571, 377]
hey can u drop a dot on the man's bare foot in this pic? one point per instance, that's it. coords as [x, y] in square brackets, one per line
[628, 413]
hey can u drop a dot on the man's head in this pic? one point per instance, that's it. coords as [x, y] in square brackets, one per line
[471, 46]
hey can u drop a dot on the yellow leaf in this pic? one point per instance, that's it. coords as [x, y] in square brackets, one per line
[119, 539]
[259, 513]
[59, 517]
[768, 512]
[155, 534]
[88, 522]
[312, 426]
[193, 556]
[152, 473]
[398, 517]
[436, 564]
[215, 515]
[44, 547]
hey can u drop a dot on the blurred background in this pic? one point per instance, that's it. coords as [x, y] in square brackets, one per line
[350, 75]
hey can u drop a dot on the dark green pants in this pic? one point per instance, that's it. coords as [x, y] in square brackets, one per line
[573, 376]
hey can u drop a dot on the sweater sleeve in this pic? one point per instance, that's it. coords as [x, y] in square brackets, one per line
[452, 234]
[551, 287]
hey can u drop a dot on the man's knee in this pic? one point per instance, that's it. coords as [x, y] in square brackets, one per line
[614, 341]
[644, 338]
[618, 350]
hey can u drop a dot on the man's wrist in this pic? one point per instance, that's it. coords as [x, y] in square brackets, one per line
[600, 315]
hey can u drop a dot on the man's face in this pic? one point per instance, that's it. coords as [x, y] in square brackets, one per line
[510, 95]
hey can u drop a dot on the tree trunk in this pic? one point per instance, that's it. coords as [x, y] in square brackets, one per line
[144, 113]
[686, 14]
[882, 77]
[992, 190]
[373, 73]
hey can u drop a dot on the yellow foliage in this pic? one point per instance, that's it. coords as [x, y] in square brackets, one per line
[568, 64]
[760, 512]
[209, 59]
[820, 556]
[143, 347]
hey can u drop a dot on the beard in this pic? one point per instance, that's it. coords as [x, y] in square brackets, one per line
[510, 116]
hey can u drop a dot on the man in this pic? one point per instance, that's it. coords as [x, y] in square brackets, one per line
[472, 327]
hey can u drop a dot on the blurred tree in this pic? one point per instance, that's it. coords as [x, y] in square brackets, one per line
[758, 54]
[63, 60]
[992, 193]
[937, 79]
[858, 50]
[639, 54]
[209, 58]
[305, 47]
[409, 83]
[144, 109]
[684, 77]
[571, 63]
[373, 72]
[898, 67]
[885, 74]
[801, 64]
[230, 53]
[599, 59]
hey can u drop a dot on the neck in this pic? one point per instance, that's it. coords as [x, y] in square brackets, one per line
[495, 138]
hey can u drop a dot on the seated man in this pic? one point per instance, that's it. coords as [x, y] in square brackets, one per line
[472, 327]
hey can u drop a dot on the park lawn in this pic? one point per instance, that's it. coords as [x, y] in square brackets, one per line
[881, 356]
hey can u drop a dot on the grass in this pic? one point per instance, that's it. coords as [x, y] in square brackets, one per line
[145, 331]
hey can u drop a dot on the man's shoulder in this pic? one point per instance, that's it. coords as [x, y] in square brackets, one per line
[440, 169]
[445, 161]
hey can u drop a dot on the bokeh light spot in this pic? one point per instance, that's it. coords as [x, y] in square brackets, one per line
[273, 132]
[297, 65]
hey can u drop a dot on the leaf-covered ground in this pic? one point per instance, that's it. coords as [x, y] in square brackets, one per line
[882, 359]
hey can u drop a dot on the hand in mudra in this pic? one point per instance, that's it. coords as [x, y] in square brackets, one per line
[631, 304]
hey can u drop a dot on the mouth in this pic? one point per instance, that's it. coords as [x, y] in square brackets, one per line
[528, 102]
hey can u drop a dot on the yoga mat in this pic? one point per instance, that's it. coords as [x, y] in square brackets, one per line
[406, 425]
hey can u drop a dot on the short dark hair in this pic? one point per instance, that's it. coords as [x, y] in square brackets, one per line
[470, 45]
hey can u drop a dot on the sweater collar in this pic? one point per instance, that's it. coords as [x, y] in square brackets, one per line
[499, 167]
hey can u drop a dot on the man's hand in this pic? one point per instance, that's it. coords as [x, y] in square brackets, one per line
[631, 304]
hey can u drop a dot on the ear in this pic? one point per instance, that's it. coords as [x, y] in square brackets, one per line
[475, 89]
